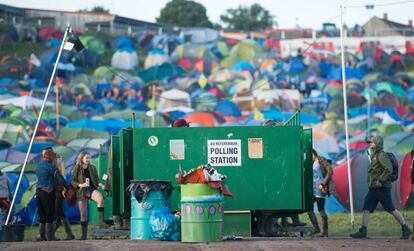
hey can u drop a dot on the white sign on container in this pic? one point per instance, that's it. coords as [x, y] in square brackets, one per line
[224, 152]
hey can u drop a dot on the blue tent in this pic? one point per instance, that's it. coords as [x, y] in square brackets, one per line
[296, 66]
[123, 42]
[350, 73]
[374, 109]
[110, 125]
[37, 147]
[228, 108]
[244, 65]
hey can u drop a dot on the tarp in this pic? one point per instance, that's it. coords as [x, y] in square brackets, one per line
[349, 72]
[26, 102]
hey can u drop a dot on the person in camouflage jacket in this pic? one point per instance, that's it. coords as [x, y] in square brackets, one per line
[379, 184]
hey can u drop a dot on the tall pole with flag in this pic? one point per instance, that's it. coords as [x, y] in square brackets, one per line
[67, 44]
[350, 190]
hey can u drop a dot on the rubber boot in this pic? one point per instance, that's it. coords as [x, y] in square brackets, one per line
[68, 229]
[412, 236]
[324, 225]
[261, 225]
[42, 231]
[296, 222]
[56, 224]
[406, 232]
[84, 225]
[314, 221]
[361, 234]
[49, 232]
[269, 226]
[101, 221]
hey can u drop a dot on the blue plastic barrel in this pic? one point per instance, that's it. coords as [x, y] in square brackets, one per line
[141, 212]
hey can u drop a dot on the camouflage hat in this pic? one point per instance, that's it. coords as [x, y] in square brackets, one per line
[377, 140]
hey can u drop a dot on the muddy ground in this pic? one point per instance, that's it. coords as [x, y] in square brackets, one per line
[285, 244]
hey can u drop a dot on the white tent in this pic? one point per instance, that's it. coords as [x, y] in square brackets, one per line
[125, 60]
[26, 102]
[174, 98]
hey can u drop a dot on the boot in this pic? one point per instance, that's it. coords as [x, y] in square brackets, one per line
[361, 234]
[296, 222]
[412, 236]
[84, 225]
[314, 221]
[101, 221]
[68, 229]
[324, 225]
[56, 224]
[406, 232]
[42, 232]
[49, 232]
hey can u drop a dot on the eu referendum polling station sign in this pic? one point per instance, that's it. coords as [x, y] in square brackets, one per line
[224, 152]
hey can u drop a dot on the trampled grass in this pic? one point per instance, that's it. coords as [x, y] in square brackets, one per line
[381, 224]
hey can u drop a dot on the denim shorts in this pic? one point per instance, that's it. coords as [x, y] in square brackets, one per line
[88, 192]
[381, 195]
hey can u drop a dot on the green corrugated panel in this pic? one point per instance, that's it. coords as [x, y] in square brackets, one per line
[116, 174]
[308, 169]
[126, 171]
[273, 182]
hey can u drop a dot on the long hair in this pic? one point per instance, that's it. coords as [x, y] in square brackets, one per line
[80, 158]
[49, 155]
[60, 168]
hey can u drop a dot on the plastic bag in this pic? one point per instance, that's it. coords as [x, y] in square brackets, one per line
[164, 225]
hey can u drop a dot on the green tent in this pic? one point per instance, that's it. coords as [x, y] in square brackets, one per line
[391, 88]
[387, 129]
[145, 121]
[104, 72]
[160, 72]
[246, 50]
[12, 133]
[68, 134]
[93, 44]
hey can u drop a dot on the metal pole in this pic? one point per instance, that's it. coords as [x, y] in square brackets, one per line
[351, 195]
[57, 105]
[37, 124]
[369, 111]
[155, 107]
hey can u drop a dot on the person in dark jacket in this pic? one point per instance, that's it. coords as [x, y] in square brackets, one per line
[60, 185]
[86, 181]
[379, 184]
[45, 196]
[322, 181]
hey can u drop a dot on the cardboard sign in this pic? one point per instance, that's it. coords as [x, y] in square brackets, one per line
[224, 152]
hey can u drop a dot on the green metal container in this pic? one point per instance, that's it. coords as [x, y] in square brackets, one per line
[201, 213]
[141, 212]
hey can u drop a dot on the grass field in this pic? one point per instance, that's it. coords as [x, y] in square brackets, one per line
[381, 224]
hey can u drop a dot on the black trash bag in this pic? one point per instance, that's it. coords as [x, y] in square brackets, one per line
[140, 188]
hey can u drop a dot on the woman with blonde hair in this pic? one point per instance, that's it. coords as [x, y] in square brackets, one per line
[86, 181]
[59, 189]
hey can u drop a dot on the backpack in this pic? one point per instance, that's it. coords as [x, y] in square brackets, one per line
[394, 162]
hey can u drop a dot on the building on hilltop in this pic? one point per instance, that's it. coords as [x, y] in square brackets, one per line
[83, 21]
[384, 27]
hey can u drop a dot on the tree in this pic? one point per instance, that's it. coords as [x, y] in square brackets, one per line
[184, 13]
[96, 9]
[251, 18]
